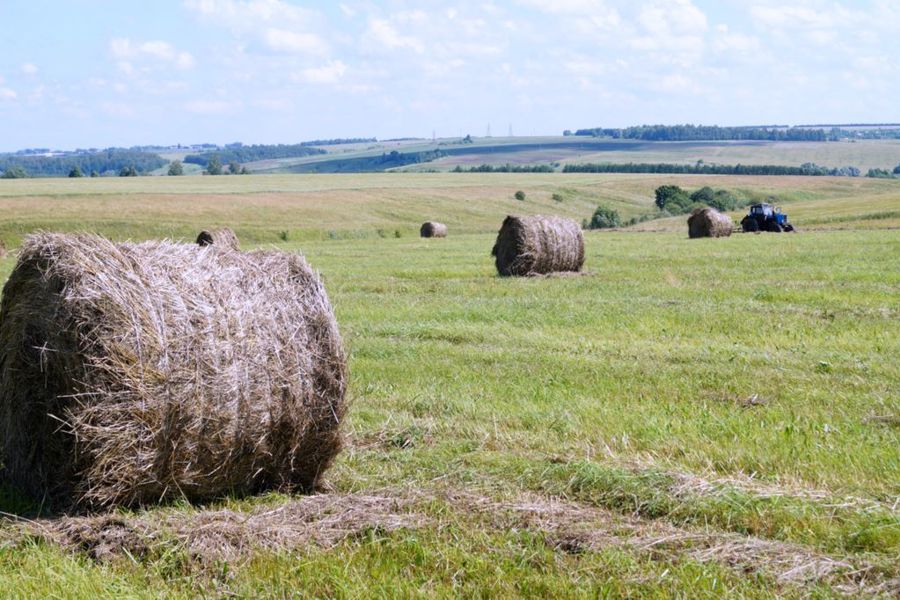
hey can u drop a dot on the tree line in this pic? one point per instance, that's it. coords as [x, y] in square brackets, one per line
[708, 133]
[690, 133]
[242, 154]
[104, 162]
[702, 168]
[507, 168]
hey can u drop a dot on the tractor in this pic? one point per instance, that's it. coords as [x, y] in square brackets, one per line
[765, 217]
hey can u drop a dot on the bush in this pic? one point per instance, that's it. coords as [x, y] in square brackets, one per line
[879, 174]
[557, 197]
[520, 195]
[14, 173]
[673, 199]
[604, 218]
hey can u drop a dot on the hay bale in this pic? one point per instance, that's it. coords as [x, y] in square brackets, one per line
[133, 373]
[538, 245]
[222, 237]
[433, 229]
[708, 222]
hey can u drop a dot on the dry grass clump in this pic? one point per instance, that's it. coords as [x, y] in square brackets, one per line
[216, 535]
[223, 237]
[433, 229]
[708, 222]
[538, 245]
[133, 373]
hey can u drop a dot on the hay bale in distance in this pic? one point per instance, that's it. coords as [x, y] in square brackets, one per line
[433, 229]
[538, 245]
[708, 222]
[134, 373]
[222, 237]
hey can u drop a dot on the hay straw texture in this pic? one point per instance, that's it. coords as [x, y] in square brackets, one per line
[708, 222]
[433, 229]
[538, 245]
[222, 237]
[134, 373]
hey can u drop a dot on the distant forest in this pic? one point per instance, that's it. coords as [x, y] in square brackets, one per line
[103, 162]
[807, 170]
[698, 133]
[368, 164]
[245, 154]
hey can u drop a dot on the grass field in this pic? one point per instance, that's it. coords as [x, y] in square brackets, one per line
[692, 418]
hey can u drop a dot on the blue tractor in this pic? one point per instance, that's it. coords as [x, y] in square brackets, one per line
[765, 217]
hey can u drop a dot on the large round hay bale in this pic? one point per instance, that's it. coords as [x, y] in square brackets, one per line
[133, 373]
[538, 245]
[708, 222]
[433, 229]
[222, 237]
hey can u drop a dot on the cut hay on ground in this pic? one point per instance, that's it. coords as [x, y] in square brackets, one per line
[708, 222]
[223, 237]
[132, 373]
[538, 245]
[433, 229]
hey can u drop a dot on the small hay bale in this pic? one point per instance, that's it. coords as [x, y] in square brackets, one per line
[708, 222]
[433, 229]
[538, 245]
[135, 373]
[222, 237]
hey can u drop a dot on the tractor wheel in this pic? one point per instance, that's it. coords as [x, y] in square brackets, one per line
[788, 228]
[774, 227]
[749, 225]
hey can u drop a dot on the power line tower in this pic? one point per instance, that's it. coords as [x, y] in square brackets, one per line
[510, 130]
[488, 130]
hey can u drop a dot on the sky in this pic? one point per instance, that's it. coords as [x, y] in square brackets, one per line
[100, 73]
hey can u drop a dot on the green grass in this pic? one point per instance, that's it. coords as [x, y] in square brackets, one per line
[628, 390]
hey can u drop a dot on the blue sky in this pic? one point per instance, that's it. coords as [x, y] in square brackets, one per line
[97, 73]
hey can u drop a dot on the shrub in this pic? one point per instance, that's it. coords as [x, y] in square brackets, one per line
[520, 195]
[604, 218]
[14, 173]
[672, 199]
[557, 197]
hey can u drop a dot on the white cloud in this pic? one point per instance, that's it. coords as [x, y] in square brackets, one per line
[278, 25]
[29, 69]
[7, 94]
[727, 41]
[283, 40]
[385, 34]
[667, 17]
[332, 72]
[126, 51]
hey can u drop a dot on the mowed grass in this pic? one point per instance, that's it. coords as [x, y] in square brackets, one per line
[268, 208]
[740, 387]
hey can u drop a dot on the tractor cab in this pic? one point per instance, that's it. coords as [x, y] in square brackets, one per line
[762, 210]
